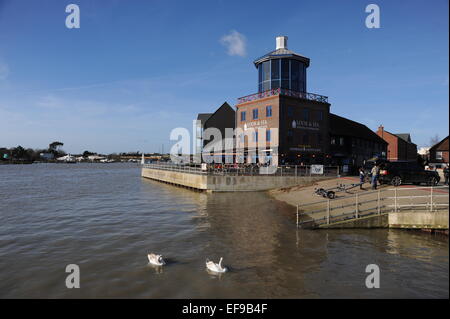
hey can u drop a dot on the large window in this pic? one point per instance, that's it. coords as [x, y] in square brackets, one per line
[242, 116]
[268, 135]
[255, 136]
[290, 111]
[306, 139]
[290, 136]
[255, 114]
[284, 73]
[320, 115]
[269, 111]
[306, 114]
[438, 155]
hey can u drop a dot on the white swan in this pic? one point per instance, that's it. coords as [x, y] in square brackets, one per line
[212, 266]
[156, 260]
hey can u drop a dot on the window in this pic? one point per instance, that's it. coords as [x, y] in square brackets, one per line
[320, 115]
[255, 114]
[333, 141]
[255, 136]
[306, 114]
[305, 139]
[290, 111]
[268, 135]
[438, 155]
[341, 141]
[290, 135]
[269, 110]
[242, 116]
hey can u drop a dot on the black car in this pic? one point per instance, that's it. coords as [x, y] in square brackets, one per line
[398, 173]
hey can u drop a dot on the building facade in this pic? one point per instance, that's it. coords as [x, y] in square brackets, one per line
[283, 121]
[400, 146]
[439, 153]
[352, 143]
[222, 119]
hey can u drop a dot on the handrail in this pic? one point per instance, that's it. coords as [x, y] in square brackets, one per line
[282, 91]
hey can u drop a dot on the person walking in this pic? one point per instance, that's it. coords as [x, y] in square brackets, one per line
[446, 174]
[375, 171]
[362, 176]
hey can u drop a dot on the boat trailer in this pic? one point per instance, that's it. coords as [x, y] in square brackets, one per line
[331, 192]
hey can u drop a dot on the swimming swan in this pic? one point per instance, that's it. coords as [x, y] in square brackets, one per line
[212, 266]
[156, 259]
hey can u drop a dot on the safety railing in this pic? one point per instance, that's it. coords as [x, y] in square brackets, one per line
[245, 169]
[436, 199]
[380, 201]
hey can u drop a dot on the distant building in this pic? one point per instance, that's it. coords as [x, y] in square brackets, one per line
[439, 153]
[400, 146]
[351, 143]
[47, 156]
[222, 118]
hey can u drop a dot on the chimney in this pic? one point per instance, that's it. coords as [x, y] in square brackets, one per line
[380, 131]
[282, 42]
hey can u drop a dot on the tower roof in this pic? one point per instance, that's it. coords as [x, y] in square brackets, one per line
[281, 51]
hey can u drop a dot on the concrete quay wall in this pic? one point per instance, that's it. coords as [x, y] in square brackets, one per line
[422, 220]
[231, 183]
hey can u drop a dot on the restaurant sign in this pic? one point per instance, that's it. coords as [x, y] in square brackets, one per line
[308, 125]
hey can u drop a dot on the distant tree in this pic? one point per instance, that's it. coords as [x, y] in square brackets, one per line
[87, 153]
[55, 145]
[54, 148]
[18, 152]
[434, 140]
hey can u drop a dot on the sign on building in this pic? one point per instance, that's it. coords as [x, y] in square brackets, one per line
[317, 169]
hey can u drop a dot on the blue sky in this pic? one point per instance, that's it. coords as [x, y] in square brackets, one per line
[137, 69]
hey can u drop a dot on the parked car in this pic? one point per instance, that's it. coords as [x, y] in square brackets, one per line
[368, 165]
[398, 173]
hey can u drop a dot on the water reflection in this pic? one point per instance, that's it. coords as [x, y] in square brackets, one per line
[111, 218]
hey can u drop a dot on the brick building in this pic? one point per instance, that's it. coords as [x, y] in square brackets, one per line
[400, 146]
[282, 103]
[438, 153]
[352, 143]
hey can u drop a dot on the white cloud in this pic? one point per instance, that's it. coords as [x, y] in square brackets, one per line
[235, 43]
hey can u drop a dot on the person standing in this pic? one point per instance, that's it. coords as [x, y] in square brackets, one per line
[362, 176]
[375, 171]
[446, 174]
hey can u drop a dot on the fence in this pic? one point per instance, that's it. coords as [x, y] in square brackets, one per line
[363, 204]
[244, 170]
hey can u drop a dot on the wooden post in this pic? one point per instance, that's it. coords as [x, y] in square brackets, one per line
[297, 215]
[356, 206]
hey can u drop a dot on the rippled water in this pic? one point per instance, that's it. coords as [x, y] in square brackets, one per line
[105, 218]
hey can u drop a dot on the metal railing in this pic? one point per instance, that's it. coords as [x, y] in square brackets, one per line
[431, 202]
[330, 210]
[371, 203]
[281, 91]
[243, 169]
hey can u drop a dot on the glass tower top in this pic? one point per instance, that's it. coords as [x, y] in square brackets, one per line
[282, 68]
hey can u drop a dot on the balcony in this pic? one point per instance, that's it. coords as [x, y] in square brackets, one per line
[287, 92]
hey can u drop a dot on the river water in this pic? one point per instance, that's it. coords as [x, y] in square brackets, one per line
[106, 218]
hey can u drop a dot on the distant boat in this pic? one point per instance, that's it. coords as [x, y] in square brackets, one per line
[67, 159]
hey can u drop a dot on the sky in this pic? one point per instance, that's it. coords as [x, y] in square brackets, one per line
[135, 70]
